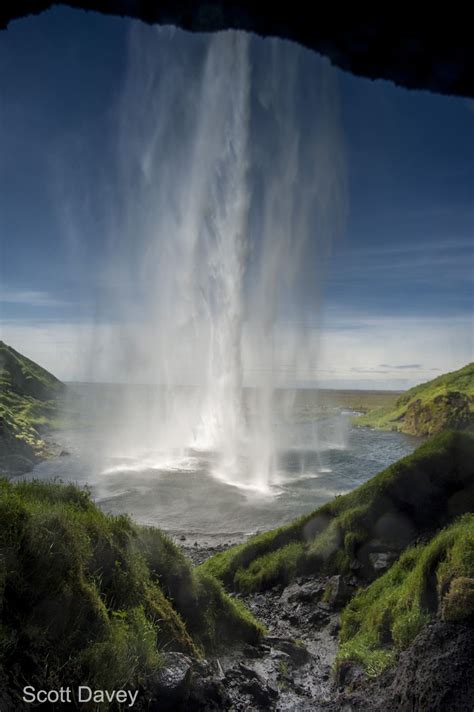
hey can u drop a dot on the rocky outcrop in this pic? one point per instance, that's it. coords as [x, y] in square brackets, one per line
[445, 403]
[434, 673]
[450, 410]
[418, 50]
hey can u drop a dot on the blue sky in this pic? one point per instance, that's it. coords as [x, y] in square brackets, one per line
[397, 296]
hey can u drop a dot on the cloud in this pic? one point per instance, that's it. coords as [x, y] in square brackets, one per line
[29, 298]
[410, 366]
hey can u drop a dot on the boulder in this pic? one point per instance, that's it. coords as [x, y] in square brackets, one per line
[338, 592]
[381, 561]
[302, 593]
[174, 681]
[296, 651]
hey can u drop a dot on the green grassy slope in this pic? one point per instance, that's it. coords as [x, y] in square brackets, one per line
[433, 579]
[417, 494]
[429, 408]
[91, 599]
[28, 396]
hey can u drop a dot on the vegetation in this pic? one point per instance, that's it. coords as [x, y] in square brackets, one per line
[28, 405]
[92, 599]
[427, 409]
[415, 495]
[430, 579]
[358, 400]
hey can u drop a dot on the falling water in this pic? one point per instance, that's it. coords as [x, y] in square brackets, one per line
[226, 191]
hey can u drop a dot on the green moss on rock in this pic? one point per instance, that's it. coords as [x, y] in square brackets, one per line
[458, 603]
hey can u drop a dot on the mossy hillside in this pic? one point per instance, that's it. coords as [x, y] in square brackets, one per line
[445, 402]
[28, 404]
[415, 495]
[24, 377]
[430, 580]
[87, 598]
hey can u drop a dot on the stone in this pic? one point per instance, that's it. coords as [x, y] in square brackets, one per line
[304, 593]
[338, 592]
[297, 652]
[174, 680]
[334, 627]
[381, 561]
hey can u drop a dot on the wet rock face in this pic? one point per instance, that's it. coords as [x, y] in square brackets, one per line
[433, 675]
[436, 672]
[417, 50]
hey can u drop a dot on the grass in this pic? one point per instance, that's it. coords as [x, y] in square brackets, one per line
[358, 400]
[415, 495]
[87, 598]
[445, 402]
[385, 618]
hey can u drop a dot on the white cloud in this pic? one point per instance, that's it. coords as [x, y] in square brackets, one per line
[29, 298]
[356, 351]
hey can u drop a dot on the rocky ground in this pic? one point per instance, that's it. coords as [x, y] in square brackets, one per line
[291, 669]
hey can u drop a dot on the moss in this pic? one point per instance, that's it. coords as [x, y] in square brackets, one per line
[419, 493]
[458, 604]
[429, 408]
[97, 596]
[385, 618]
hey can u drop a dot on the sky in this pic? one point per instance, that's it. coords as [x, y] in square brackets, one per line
[393, 303]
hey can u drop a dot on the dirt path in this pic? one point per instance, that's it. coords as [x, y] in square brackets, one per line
[292, 667]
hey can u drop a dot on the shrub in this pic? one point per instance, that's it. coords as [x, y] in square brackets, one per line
[88, 598]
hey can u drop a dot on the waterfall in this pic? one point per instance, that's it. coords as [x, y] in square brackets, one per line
[224, 196]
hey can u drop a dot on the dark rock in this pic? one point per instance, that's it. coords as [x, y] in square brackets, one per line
[249, 673]
[338, 591]
[318, 616]
[306, 592]
[261, 693]
[250, 651]
[334, 627]
[433, 675]
[436, 672]
[64, 453]
[297, 652]
[182, 537]
[324, 606]
[382, 561]
[174, 681]
[416, 51]
[280, 655]
[350, 674]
